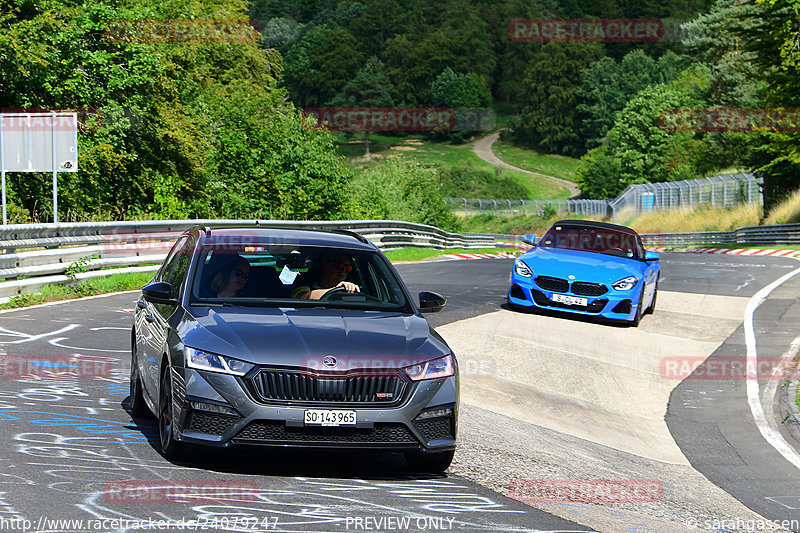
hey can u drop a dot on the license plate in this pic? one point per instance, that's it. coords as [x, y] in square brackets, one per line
[327, 417]
[569, 300]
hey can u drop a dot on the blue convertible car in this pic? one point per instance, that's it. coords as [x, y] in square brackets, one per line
[590, 268]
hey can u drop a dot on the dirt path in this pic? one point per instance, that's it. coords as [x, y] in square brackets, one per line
[483, 149]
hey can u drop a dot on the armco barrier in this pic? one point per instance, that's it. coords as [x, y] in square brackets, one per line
[33, 255]
[775, 235]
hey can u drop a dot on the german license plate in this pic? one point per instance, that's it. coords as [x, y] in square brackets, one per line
[329, 417]
[569, 300]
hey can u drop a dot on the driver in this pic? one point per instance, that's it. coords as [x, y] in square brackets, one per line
[333, 270]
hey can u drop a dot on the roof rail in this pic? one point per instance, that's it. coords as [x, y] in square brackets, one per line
[352, 234]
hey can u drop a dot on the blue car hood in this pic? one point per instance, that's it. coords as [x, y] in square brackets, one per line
[585, 266]
[301, 337]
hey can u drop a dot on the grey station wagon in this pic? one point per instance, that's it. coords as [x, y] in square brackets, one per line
[285, 337]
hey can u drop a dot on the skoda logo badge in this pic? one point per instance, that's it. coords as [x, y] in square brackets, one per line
[329, 361]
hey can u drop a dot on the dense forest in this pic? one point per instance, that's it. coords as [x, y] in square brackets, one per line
[204, 129]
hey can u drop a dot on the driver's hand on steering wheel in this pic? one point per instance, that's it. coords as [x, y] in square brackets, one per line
[349, 287]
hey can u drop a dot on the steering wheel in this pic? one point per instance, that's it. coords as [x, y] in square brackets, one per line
[335, 290]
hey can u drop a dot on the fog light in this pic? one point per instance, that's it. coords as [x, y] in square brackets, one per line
[213, 408]
[435, 413]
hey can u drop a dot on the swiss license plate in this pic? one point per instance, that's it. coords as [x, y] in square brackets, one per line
[329, 417]
[569, 300]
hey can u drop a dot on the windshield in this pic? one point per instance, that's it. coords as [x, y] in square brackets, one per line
[295, 276]
[594, 239]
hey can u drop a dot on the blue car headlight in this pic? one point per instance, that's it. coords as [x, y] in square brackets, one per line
[215, 363]
[625, 284]
[522, 269]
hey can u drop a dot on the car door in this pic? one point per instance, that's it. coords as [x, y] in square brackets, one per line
[151, 321]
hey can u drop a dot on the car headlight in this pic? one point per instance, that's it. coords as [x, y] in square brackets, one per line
[522, 269]
[444, 367]
[625, 284]
[216, 363]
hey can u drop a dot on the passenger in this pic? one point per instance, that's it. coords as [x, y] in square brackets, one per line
[333, 269]
[231, 278]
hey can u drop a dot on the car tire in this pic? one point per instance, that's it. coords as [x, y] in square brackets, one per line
[429, 463]
[138, 406]
[653, 301]
[638, 317]
[170, 448]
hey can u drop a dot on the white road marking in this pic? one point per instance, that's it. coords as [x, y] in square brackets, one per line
[772, 436]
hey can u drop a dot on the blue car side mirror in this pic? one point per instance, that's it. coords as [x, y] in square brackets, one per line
[652, 256]
[529, 239]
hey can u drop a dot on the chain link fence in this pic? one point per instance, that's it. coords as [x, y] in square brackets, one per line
[717, 191]
[474, 206]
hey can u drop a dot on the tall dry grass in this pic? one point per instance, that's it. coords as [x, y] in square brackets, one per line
[697, 219]
[787, 212]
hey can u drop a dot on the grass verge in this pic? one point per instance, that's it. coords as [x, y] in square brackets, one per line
[90, 287]
[558, 166]
[419, 254]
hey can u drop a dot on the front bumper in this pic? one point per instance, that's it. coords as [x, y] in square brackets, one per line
[613, 305]
[281, 423]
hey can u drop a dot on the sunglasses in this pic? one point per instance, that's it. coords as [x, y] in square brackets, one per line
[343, 266]
[241, 275]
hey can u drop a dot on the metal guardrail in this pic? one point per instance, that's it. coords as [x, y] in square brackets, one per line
[33, 255]
[775, 235]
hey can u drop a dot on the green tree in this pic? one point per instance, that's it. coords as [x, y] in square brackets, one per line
[320, 65]
[549, 107]
[462, 93]
[368, 89]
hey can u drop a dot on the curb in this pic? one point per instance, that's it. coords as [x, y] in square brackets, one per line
[788, 411]
[500, 255]
[730, 251]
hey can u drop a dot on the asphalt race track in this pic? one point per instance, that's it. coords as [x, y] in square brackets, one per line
[69, 445]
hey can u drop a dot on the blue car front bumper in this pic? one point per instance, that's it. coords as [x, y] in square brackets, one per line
[614, 304]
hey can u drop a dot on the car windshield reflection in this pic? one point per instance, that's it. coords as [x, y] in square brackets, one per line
[295, 276]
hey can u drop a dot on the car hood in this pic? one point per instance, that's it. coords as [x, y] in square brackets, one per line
[585, 266]
[301, 337]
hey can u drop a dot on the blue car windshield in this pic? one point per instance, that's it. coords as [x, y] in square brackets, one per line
[594, 239]
[295, 276]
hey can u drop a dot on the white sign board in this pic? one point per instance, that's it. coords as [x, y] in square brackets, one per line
[38, 142]
[31, 140]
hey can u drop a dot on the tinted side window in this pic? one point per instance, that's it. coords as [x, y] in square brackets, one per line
[178, 273]
[169, 262]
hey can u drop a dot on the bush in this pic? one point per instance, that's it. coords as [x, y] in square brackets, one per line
[402, 190]
[465, 180]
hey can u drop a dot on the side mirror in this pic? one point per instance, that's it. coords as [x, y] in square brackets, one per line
[158, 293]
[529, 239]
[431, 302]
[652, 256]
